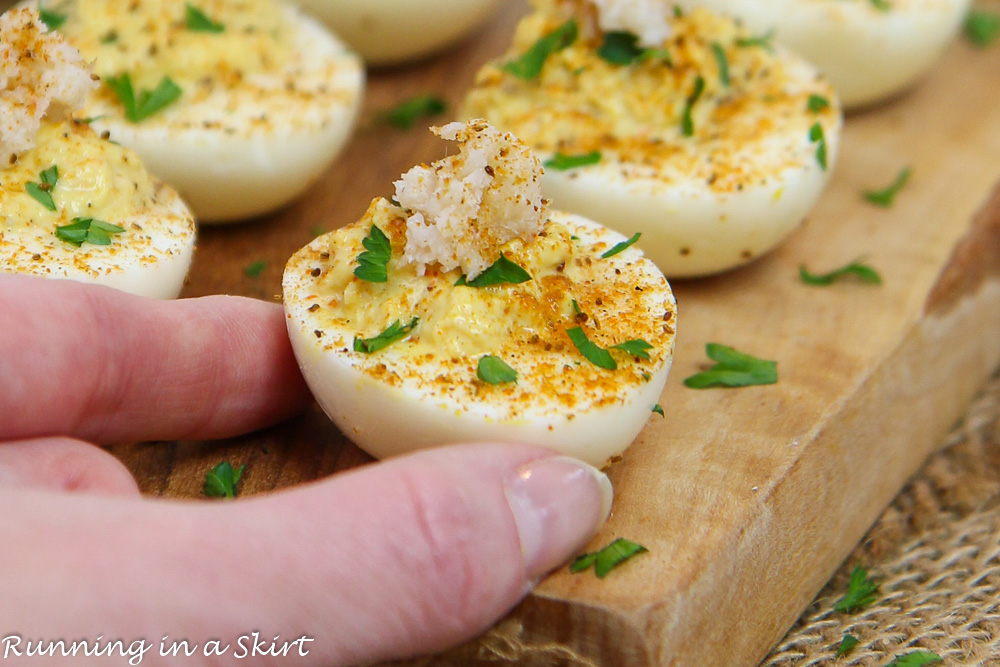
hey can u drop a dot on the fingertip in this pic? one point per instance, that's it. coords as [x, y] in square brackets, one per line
[65, 465]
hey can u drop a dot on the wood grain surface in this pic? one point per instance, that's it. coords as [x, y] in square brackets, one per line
[746, 499]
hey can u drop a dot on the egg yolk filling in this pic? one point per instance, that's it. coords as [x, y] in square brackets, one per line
[711, 101]
[199, 44]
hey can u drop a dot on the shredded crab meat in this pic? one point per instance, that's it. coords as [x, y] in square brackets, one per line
[464, 208]
[40, 74]
[649, 20]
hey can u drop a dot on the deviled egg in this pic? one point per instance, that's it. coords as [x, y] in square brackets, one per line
[386, 32]
[700, 134]
[239, 104]
[471, 312]
[869, 49]
[72, 203]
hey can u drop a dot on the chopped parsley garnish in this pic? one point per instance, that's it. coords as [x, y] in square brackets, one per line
[562, 162]
[255, 268]
[687, 122]
[88, 230]
[89, 119]
[576, 307]
[817, 103]
[602, 358]
[373, 261]
[863, 272]
[42, 192]
[885, 197]
[881, 5]
[916, 659]
[530, 63]
[406, 114]
[393, 332]
[720, 59]
[763, 41]
[221, 481]
[51, 18]
[658, 410]
[847, 644]
[493, 370]
[316, 230]
[197, 21]
[636, 347]
[861, 592]
[618, 247]
[733, 369]
[622, 48]
[608, 558]
[148, 102]
[501, 272]
[982, 28]
[817, 137]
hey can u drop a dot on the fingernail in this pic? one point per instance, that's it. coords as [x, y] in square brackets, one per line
[558, 505]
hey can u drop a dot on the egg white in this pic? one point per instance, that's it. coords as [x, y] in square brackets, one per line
[235, 154]
[150, 258]
[867, 54]
[386, 418]
[705, 203]
[386, 32]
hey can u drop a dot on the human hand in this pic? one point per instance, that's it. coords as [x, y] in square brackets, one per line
[395, 559]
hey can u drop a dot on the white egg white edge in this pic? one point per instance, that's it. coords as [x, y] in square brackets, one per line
[388, 32]
[689, 230]
[868, 55]
[387, 421]
[230, 178]
[157, 272]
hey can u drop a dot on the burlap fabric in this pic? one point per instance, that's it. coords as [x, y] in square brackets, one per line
[936, 552]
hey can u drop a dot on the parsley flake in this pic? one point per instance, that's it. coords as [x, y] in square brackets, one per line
[562, 162]
[42, 192]
[863, 272]
[763, 41]
[530, 63]
[608, 558]
[373, 261]
[636, 347]
[687, 122]
[618, 247]
[881, 5]
[620, 48]
[493, 370]
[817, 103]
[148, 102]
[733, 369]
[501, 272]
[406, 114]
[885, 197]
[594, 353]
[847, 644]
[255, 268]
[197, 21]
[982, 28]
[659, 410]
[51, 18]
[861, 592]
[916, 659]
[221, 481]
[720, 59]
[392, 333]
[817, 137]
[88, 230]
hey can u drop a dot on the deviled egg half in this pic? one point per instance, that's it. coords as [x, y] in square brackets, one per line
[239, 104]
[72, 203]
[471, 312]
[387, 32]
[700, 134]
[869, 49]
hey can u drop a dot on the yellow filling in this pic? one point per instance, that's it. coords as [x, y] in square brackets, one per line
[97, 179]
[150, 39]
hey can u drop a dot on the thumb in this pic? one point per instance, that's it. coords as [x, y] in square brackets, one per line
[392, 560]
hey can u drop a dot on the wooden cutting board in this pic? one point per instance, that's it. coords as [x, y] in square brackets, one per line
[746, 499]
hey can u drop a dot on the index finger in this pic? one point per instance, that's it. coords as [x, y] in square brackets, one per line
[102, 365]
